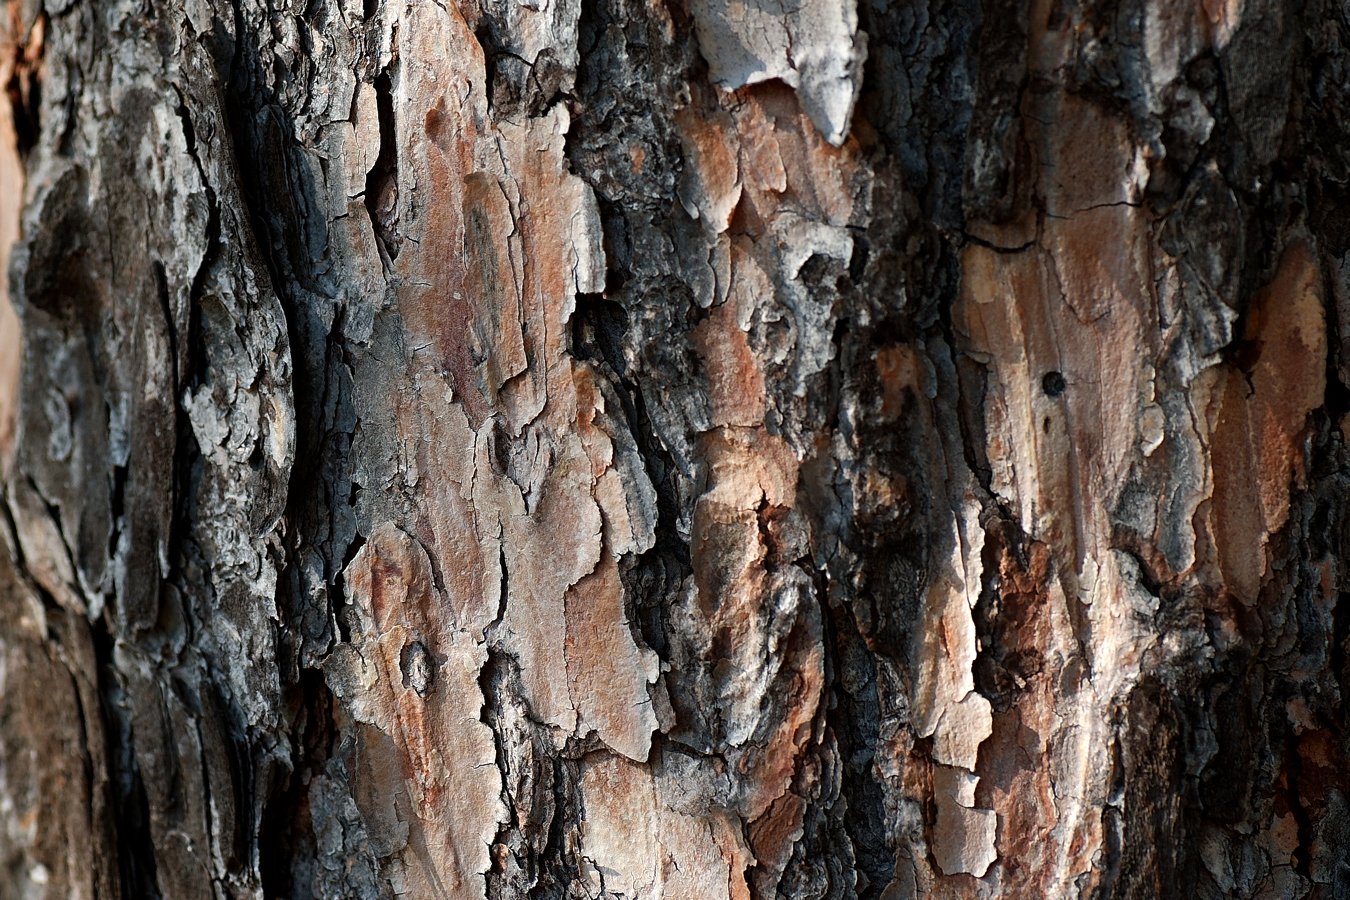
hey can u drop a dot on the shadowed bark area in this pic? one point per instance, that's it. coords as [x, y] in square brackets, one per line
[648, 449]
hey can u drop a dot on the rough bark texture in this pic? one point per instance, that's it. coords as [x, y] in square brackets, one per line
[630, 448]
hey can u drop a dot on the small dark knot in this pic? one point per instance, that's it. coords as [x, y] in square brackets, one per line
[1053, 384]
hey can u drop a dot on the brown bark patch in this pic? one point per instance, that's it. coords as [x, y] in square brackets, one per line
[1260, 420]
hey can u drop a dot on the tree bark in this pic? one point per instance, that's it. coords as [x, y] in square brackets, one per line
[630, 448]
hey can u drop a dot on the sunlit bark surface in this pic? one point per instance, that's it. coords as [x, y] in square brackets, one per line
[647, 449]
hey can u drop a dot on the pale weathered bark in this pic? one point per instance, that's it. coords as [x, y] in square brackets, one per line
[632, 448]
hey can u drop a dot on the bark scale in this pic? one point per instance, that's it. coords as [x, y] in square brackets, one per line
[640, 449]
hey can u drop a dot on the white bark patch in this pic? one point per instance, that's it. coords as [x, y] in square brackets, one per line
[964, 725]
[963, 838]
[413, 676]
[643, 849]
[812, 45]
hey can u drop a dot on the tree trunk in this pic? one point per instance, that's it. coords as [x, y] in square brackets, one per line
[628, 448]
